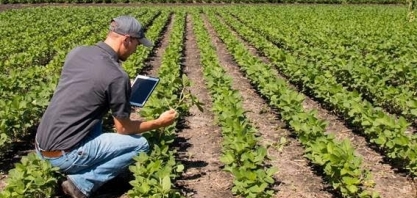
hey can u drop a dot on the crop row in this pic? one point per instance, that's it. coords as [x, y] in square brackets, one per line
[27, 92]
[382, 129]
[241, 152]
[31, 70]
[363, 60]
[337, 159]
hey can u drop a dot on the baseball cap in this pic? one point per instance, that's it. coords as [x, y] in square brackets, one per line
[128, 25]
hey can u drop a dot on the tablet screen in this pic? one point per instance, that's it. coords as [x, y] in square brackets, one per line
[142, 88]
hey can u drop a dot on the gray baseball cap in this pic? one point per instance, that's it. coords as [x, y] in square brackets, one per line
[128, 25]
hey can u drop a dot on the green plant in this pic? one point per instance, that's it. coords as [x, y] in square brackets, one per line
[32, 177]
[154, 173]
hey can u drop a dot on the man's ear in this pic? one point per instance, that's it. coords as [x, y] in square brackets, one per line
[126, 42]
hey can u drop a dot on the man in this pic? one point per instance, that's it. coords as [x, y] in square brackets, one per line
[93, 82]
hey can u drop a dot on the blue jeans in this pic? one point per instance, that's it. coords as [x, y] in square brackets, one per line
[98, 158]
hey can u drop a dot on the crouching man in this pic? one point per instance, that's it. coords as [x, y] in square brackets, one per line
[92, 83]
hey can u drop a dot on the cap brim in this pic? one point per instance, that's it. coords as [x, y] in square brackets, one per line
[146, 42]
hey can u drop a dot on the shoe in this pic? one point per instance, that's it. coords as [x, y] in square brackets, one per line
[70, 189]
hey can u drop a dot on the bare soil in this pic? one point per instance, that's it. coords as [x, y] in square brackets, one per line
[200, 145]
[154, 62]
[4, 7]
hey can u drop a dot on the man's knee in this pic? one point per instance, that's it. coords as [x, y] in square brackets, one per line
[142, 145]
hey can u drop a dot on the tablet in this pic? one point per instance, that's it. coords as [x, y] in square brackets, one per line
[142, 88]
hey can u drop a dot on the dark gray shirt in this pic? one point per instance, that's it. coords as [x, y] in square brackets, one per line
[92, 82]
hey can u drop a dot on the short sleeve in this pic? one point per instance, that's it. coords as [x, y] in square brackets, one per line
[119, 97]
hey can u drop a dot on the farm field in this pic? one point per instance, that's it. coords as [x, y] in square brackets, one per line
[297, 100]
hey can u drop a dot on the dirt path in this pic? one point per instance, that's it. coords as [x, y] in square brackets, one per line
[4, 7]
[200, 148]
[154, 62]
[388, 183]
[295, 176]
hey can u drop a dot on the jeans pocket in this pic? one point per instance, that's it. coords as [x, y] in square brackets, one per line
[61, 162]
[79, 161]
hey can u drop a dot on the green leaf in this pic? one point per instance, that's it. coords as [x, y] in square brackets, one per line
[350, 180]
[352, 188]
[180, 168]
[166, 183]
[256, 189]
[227, 158]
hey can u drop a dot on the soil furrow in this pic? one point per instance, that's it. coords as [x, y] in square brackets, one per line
[295, 176]
[388, 182]
[152, 64]
[200, 140]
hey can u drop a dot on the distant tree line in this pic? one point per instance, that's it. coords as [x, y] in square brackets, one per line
[210, 1]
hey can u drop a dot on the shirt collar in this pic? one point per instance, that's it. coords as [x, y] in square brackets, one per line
[109, 50]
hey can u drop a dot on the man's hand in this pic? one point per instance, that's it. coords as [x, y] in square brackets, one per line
[167, 118]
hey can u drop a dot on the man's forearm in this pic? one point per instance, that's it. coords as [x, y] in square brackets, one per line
[128, 126]
[143, 126]
[137, 126]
